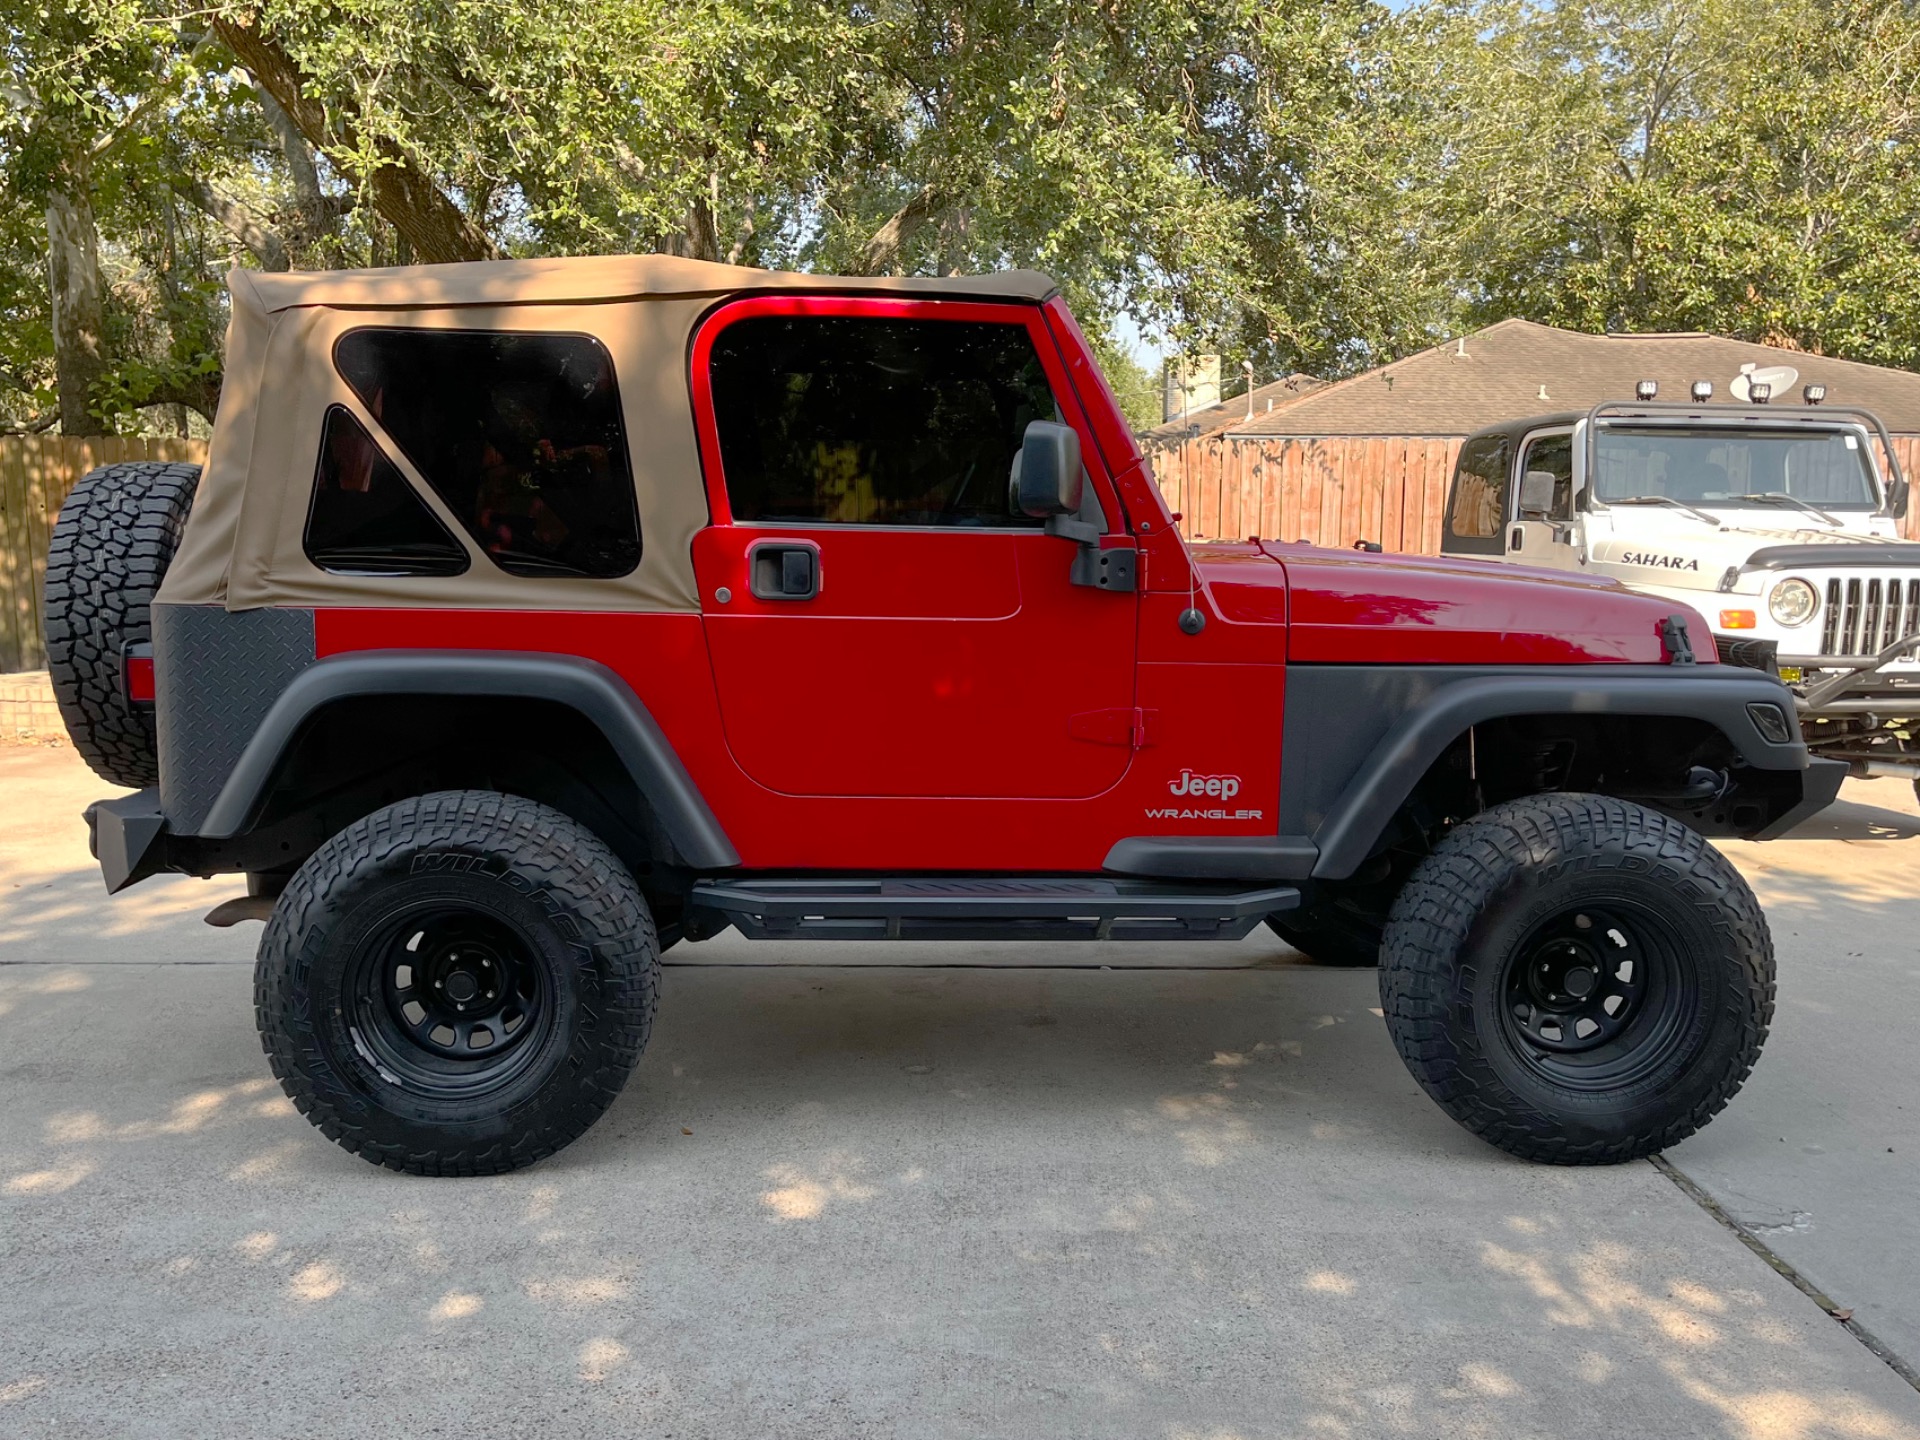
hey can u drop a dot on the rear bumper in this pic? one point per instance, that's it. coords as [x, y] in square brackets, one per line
[128, 837]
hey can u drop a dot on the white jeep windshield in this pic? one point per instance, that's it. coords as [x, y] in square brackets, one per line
[1722, 467]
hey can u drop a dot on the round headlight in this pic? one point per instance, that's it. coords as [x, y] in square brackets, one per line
[1793, 602]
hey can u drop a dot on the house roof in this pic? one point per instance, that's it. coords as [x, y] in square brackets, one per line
[1231, 411]
[1518, 368]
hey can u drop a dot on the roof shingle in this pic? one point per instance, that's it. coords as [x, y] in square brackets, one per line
[1233, 410]
[1518, 368]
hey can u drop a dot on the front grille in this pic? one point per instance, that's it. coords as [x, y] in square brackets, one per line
[1867, 613]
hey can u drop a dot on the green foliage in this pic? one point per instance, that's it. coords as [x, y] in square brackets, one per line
[1678, 165]
[1303, 184]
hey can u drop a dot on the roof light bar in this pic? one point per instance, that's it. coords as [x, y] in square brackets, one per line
[1702, 391]
[1646, 389]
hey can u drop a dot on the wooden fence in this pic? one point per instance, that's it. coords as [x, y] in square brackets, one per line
[36, 472]
[1335, 490]
[1331, 491]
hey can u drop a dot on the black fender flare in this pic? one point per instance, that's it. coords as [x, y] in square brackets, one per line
[586, 686]
[1718, 695]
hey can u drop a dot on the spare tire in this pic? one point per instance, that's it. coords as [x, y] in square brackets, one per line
[111, 546]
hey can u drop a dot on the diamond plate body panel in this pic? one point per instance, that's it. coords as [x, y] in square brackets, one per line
[217, 673]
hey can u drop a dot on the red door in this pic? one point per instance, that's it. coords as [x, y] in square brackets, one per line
[879, 623]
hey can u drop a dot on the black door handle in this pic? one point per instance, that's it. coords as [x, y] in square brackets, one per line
[783, 569]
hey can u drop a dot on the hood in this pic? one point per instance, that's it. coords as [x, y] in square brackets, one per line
[1681, 553]
[1349, 607]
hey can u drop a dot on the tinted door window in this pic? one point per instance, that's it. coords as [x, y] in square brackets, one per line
[365, 518]
[1554, 454]
[1479, 507]
[869, 421]
[520, 435]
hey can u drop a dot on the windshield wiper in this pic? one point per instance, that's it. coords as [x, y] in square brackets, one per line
[1780, 497]
[1668, 500]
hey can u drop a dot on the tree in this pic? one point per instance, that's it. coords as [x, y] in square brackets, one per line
[73, 89]
[1301, 184]
[1678, 164]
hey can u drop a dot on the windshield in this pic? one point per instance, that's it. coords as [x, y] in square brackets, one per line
[1724, 467]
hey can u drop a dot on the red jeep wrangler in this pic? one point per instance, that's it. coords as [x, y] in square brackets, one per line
[532, 617]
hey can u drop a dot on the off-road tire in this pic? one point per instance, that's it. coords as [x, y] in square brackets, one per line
[1494, 881]
[590, 936]
[1329, 937]
[111, 547]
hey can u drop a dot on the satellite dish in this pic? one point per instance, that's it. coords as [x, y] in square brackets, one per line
[1780, 377]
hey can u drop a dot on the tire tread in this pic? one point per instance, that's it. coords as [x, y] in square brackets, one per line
[1446, 894]
[579, 881]
[116, 535]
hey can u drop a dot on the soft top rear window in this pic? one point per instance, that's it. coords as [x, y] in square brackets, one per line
[364, 518]
[519, 434]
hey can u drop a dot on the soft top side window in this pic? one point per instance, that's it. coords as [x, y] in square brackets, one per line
[364, 518]
[520, 435]
[1479, 508]
[872, 420]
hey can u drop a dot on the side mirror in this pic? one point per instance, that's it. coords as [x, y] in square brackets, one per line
[1536, 494]
[1047, 477]
[1897, 499]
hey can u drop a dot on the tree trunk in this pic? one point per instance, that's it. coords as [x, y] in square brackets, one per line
[405, 196]
[700, 242]
[240, 222]
[294, 147]
[79, 318]
[882, 252]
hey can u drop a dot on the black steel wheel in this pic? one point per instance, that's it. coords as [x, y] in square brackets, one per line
[451, 998]
[1595, 995]
[458, 984]
[1577, 979]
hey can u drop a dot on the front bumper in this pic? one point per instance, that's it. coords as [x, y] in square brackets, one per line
[1819, 789]
[1863, 710]
[1858, 684]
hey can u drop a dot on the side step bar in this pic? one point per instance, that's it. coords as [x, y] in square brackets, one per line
[938, 908]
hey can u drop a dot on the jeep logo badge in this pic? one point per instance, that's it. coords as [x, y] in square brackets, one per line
[1223, 786]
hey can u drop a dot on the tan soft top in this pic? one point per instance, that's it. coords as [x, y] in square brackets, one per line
[243, 546]
[575, 279]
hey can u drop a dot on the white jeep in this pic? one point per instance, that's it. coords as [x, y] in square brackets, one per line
[1778, 523]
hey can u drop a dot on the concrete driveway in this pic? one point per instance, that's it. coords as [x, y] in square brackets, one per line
[1187, 1203]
